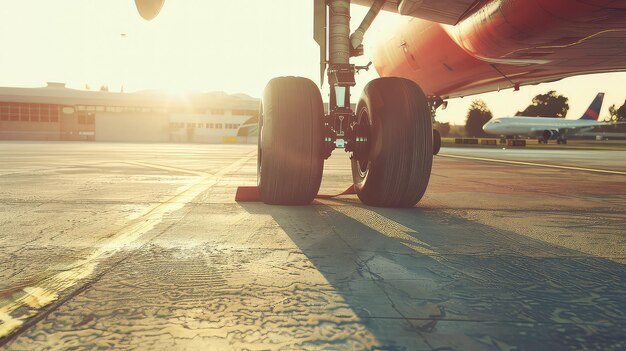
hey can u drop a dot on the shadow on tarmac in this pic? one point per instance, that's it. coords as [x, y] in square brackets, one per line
[421, 278]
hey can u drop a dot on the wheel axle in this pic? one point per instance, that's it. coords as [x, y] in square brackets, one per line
[358, 140]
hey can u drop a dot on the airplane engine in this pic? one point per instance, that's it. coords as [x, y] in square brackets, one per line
[504, 44]
[550, 134]
[149, 9]
[425, 53]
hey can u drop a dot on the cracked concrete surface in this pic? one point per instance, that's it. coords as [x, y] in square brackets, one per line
[141, 246]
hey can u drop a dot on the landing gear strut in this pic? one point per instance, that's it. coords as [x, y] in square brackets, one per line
[389, 138]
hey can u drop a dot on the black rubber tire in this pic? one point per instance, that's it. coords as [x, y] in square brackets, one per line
[436, 141]
[396, 171]
[290, 161]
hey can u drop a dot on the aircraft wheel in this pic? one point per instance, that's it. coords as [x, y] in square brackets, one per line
[290, 161]
[395, 170]
[436, 141]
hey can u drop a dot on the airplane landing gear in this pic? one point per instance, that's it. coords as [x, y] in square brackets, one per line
[390, 137]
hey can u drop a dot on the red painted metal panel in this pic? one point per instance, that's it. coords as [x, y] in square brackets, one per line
[508, 42]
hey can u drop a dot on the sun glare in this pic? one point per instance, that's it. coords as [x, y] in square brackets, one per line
[235, 47]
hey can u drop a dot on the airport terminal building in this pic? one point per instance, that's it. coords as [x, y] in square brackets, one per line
[55, 112]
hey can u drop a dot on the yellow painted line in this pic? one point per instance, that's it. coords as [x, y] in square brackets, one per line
[605, 171]
[26, 302]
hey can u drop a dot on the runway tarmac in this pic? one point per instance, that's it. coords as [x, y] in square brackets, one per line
[141, 246]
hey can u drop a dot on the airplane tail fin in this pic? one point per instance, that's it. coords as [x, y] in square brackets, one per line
[593, 112]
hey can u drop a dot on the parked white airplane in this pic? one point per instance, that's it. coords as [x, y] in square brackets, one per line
[546, 128]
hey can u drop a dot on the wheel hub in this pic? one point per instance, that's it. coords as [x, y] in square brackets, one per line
[359, 139]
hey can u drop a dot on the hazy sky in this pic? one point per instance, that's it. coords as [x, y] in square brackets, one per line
[234, 46]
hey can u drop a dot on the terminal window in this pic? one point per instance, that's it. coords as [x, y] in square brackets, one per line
[244, 112]
[24, 113]
[15, 112]
[44, 113]
[34, 118]
[4, 112]
[27, 112]
[86, 118]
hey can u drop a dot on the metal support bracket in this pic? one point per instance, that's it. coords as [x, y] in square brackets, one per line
[320, 14]
[342, 75]
[435, 102]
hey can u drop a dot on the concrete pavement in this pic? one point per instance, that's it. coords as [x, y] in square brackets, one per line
[141, 246]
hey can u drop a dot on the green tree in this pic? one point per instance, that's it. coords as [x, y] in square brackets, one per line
[616, 115]
[550, 104]
[477, 115]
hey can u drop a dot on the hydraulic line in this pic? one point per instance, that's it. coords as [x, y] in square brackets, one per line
[357, 37]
